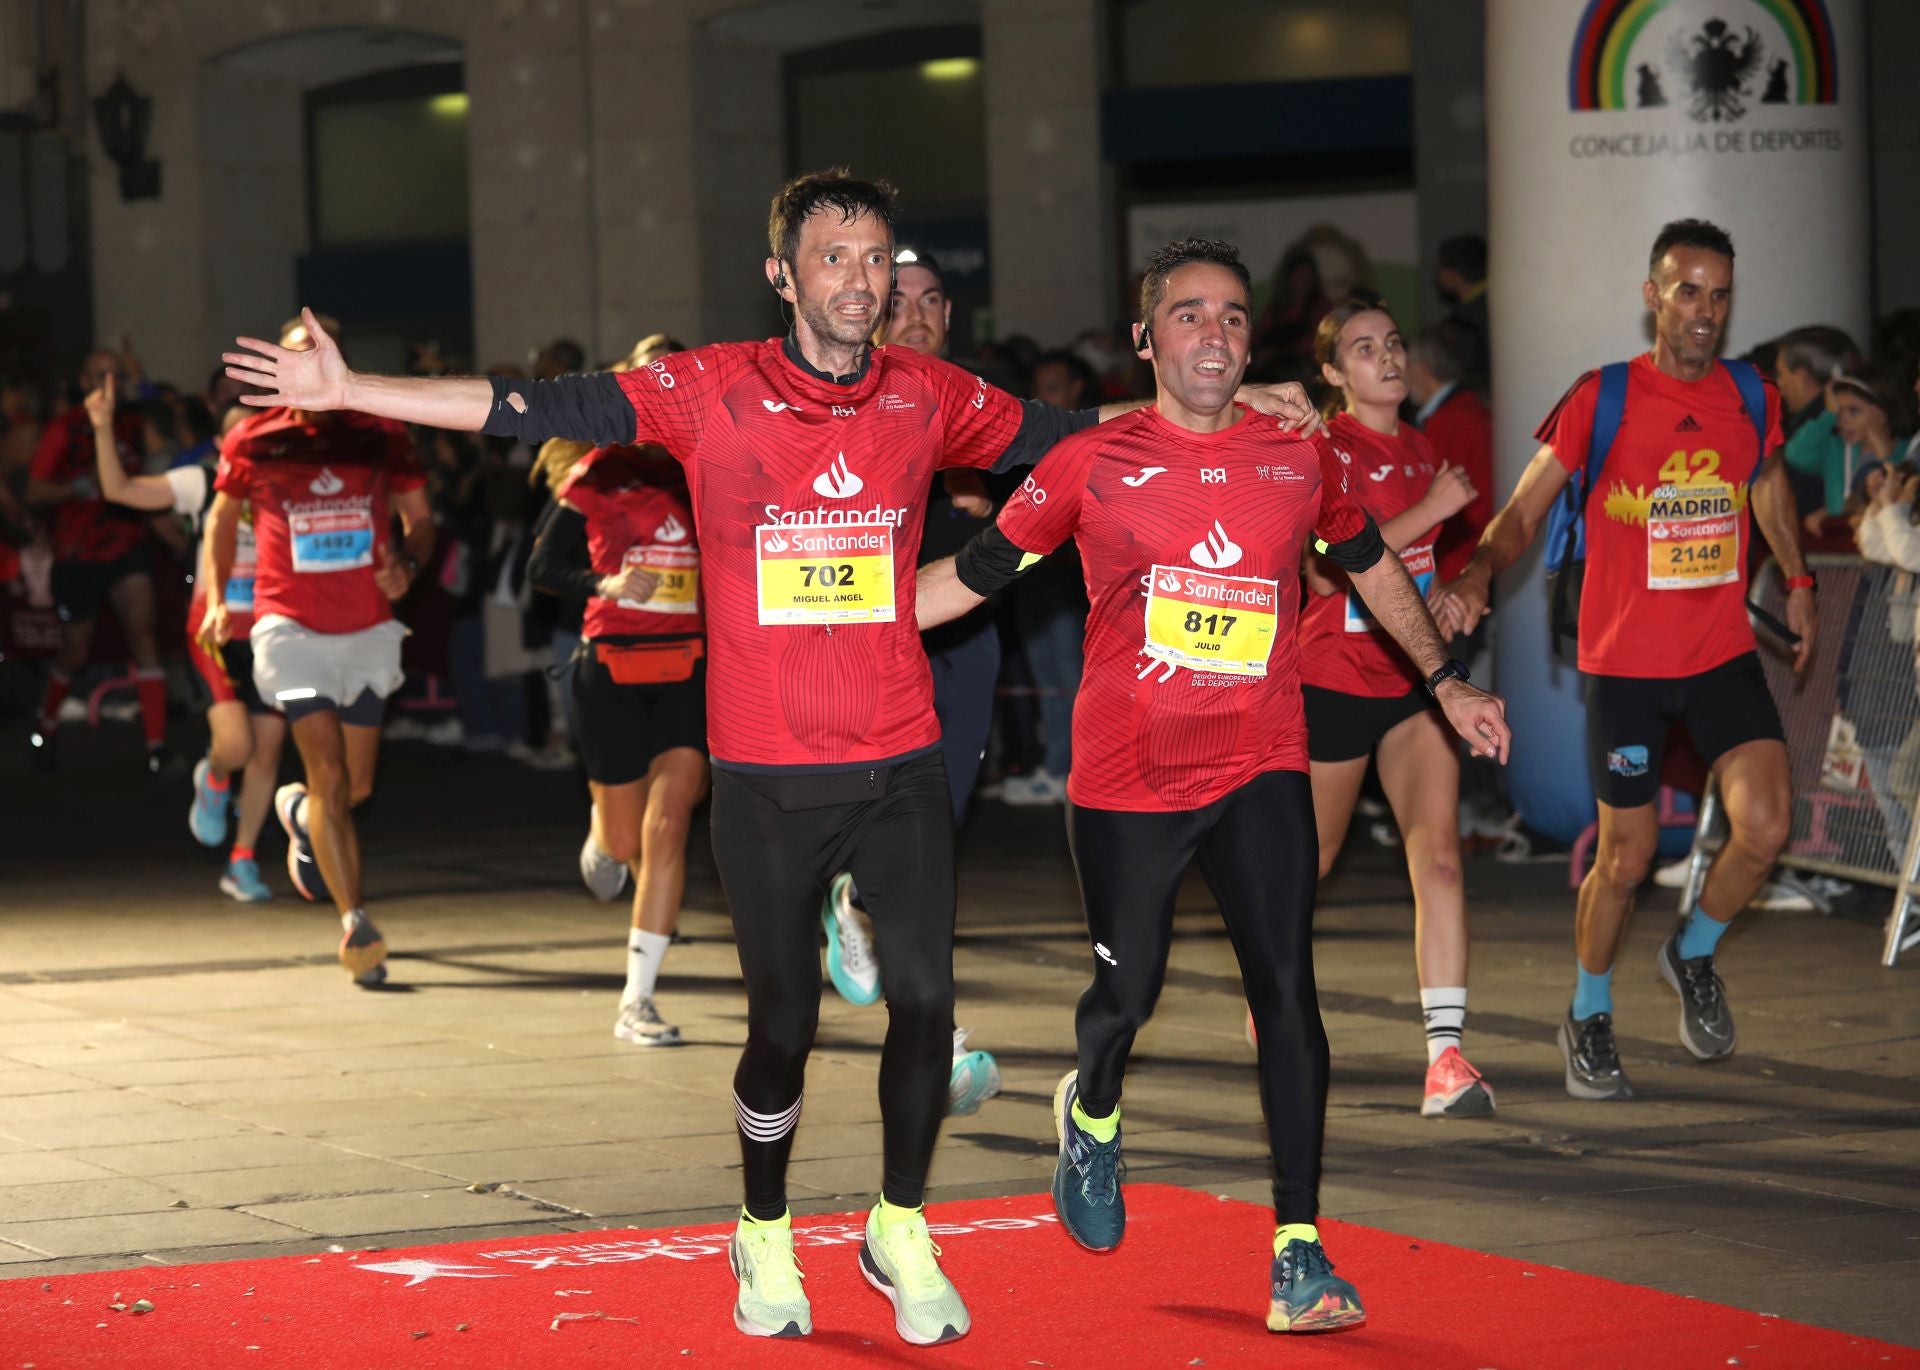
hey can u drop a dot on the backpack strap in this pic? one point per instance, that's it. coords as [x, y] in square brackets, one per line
[1609, 408]
[1753, 399]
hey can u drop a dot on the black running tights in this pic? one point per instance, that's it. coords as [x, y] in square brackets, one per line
[1260, 857]
[777, 845]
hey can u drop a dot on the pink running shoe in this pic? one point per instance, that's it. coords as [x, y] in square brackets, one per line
[1455, 1089]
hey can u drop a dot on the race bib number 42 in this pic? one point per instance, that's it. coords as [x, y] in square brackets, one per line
[338, 540]
[677, 588]
[1205, 622]
[817, 573]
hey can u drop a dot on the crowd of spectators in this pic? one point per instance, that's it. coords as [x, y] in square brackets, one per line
[487, 654]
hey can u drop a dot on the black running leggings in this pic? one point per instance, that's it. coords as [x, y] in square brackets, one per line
[778, 840]
[1260, 856]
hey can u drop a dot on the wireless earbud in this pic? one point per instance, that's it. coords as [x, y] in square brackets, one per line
[1146, 340]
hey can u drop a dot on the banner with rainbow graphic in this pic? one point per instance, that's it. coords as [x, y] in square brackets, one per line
[1715, 60]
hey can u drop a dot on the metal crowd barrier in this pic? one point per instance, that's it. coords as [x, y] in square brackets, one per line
[1852, 721]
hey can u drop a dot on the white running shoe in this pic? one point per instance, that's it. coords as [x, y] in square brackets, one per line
[1041, 789]
[851, 964]
[640, 1023]
[1673, 875]
[604, 877]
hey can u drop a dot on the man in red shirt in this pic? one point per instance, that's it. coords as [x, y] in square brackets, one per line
[326, 649]
[1189, 736]
[1664, 636]
[1458, 427]
[100, 555]
[808, 462]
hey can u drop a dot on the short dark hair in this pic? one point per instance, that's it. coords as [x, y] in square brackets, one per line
[926, 261]
[836, 189]
[1818, 349]
[566, 355]
[1689, 233]
[1188, 252]
[1465, 253]
[1449, 349]
[1076, 367]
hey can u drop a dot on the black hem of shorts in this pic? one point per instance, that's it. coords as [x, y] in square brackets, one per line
[825, 767]
[1349, 727]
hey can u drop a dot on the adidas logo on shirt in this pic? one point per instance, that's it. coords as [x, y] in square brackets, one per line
[1687, 425]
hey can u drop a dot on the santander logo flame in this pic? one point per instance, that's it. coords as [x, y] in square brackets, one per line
[776, 543]
[672, 530]
[326, 483]
[837, 482]
[1169, 581]
[1218, 551]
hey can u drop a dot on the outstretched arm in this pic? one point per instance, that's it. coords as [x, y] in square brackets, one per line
[1461, 604]
[939, 595]
[1774, 511]
[137, 492]
[589, 408]
[1393, 599]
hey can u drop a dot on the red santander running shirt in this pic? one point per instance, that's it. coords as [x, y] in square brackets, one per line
[1667, 525]
[89, 529]
[318, 484]
[809, 497]
[1342, 646]
[1191, 544]
[632, 522]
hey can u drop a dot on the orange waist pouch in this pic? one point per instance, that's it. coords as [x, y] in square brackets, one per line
[650, 663]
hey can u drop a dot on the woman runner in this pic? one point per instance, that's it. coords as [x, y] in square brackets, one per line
[1365, 700]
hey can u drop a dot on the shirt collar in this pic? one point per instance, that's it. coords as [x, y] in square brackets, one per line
[791, 346]
[1439, 398]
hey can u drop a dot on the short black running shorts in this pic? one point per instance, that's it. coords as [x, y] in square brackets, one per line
[1344, 727]
[624, 727]
[80, 588]
[1628, 719]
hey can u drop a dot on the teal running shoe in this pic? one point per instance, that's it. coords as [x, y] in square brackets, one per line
[851, 964]
[207, 819]
[1307, 1296]
[900, 1260]
[1086, 1178]
[975, 1078]
[242, 882]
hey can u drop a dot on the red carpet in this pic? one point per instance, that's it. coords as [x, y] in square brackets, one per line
[1187, 1288]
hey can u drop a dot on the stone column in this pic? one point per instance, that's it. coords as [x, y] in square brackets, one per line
[1049, 197]
[1599, 132]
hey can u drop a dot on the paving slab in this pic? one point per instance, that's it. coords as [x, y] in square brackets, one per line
[212, 1055]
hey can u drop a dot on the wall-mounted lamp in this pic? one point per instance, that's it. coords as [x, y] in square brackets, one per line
[125, 120]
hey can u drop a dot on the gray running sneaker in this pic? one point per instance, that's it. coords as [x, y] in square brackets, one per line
[1593, 1062]
[604, 877]
[1706, 1023]
[640, 1023]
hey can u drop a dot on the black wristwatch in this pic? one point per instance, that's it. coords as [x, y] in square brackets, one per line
[1453, 670]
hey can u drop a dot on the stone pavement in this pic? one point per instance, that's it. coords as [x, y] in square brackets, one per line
[185, 1079]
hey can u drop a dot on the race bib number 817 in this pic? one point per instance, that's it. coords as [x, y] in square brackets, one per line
[1223, 624]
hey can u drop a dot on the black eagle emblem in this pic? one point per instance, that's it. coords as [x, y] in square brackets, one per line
[1717, 68]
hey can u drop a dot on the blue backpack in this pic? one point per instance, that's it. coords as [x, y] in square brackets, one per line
[1567, 523]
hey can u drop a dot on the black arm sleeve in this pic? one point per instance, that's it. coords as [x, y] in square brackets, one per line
[990, 561]
[1357, 553]
[559, 564]
[590, 408]
[1041, 426]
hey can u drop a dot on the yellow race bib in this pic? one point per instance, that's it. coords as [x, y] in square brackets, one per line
[825, 573]
[1206, 622]
[678, 588]
[1693, 537]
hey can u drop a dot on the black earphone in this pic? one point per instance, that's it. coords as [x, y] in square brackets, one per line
[779, 280]
[1146, 340]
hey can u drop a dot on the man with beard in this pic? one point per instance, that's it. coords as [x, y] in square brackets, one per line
[808, 460]
[1664, 636]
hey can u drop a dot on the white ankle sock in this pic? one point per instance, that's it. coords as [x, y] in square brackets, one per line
[1446, 1013]
[645, 952]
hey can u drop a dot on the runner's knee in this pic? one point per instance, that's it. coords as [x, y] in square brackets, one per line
[1761, 829]
[664, 831]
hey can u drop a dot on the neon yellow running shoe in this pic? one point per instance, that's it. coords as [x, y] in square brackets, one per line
[771, 1302]
[899, 1259]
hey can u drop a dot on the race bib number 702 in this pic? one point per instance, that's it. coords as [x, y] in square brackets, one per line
[815, 573]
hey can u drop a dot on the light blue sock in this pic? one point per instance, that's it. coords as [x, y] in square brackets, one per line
[1700, 935]
[1591, 993]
